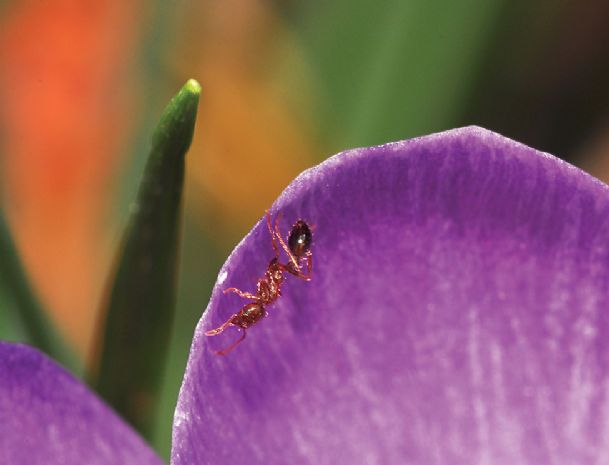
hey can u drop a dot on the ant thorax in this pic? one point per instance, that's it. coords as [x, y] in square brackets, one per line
[267, 291]
[274, 272]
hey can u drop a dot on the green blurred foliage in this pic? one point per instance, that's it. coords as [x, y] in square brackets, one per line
[389, 70]
[544, 77]
[11, 326]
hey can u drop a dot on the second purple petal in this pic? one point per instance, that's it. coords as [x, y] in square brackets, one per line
[47, 417]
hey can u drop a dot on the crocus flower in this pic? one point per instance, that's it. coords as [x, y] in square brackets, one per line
[457, 314]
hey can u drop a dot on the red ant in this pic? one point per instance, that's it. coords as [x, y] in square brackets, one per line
[268, 288]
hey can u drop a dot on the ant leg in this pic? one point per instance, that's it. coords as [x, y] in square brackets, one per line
[245, 295]
[309, 274]
[298, 272]
[270, 227]
[219, 329]
[285, 247]
[232, 346]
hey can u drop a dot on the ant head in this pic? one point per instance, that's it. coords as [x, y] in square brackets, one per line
[300, 238]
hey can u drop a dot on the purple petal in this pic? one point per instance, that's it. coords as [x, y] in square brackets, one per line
[49, 418]
[458, 314]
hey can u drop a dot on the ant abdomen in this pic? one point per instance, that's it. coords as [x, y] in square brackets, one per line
[249, 315]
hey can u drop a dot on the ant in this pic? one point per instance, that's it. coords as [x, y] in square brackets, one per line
[268, 288]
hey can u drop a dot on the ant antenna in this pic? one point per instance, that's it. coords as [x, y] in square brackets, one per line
[270, 228]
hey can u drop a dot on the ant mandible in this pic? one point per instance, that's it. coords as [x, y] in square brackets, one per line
[268, 288]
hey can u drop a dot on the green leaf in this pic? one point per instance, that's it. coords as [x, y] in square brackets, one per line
[24, 319]
[140, 309]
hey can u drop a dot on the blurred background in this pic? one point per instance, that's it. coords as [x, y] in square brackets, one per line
[285, 85]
